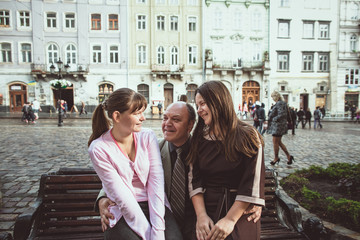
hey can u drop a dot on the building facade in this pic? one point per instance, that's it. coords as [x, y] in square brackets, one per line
[346, 87]
[89, 37]
[236, 42]
[302, 49]
[165, 49]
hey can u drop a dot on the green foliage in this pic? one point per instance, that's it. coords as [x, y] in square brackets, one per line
[344, 210]
[346, 176]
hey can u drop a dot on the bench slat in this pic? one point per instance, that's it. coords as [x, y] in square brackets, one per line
[89, 196]
[72, 178]
[73, 186]
[77, 222]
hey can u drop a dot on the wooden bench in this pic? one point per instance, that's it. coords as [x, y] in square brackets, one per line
[64, 209]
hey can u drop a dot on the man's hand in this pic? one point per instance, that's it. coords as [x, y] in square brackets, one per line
[256, 212]
[104, 204]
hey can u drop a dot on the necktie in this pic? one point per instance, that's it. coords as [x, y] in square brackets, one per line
[178, 189]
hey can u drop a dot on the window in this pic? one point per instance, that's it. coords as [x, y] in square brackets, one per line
[190, 92]
[353, 43]
[51, 20]
[143, 89]
[308, 62]
[140, 1]
[24, 18]
[70, 20]
[192, 55]
[256, 21]
[160, 55]
[308, 29]
[237, 20]
[284, 28]
[141, 22]
[283, 61]
[4, 18]
[174, 56]
[192, 2]
[352, 76]
[323, 62]
[141, 54]
[284, 3]
[53, 54]
[256, 52]
[114, 54]
[160, 22]
[174, 23]
[192, 24]
[25, 52]
[5, 52]
[70, 54]
[354, 11]
[96, 54]
[174, 2]
[217, 19]
[95, 22]
[113, 22]
[324, 30]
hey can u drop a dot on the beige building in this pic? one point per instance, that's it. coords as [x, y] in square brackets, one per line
[165, 48]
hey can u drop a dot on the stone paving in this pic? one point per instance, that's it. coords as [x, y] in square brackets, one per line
[27, 151]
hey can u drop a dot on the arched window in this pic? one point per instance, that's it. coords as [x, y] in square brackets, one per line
[353, 43]
[70, 55]
[144, 90]
[174, 56]
[52, 54]
[104, 91]
[161, 55]
[354, 11]
[190, 92]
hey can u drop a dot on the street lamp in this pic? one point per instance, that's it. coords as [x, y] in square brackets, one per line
[60, 65]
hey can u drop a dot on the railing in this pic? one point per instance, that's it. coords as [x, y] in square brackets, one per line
[46, 67]
[237, 64]
[167, 68]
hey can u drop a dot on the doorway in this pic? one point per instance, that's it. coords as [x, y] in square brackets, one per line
[168, 94]
[18, 96]
[250, 92]
[304, 101]
[67, 94]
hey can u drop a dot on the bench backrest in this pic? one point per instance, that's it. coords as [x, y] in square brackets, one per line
[68, 198]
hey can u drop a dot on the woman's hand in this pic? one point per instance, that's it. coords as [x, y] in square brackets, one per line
[105, 215]
[203, 226]
[256, 212]
[221, 230]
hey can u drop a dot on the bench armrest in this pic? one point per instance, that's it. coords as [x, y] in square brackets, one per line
[289, 211]
[25, 221]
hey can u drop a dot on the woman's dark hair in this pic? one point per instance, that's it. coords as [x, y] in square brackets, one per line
[120, 100]
[234, 135]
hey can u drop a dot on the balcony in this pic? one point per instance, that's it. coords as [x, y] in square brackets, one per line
[166, 70]
[42, 72]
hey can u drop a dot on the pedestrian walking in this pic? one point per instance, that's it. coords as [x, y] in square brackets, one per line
[28, 114]
[308, 117]
[323, 112]
[353, 110]
[245, 111]
[300, 117]
[279, 127]
[317, 117]
[159, 107]
[293, 119]
[36, 108]
[357, 115]
[65, 108]
[82, 110]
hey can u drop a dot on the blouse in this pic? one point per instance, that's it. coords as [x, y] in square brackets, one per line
[117, 173]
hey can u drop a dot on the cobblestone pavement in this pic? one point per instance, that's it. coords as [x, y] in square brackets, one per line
[27, 151]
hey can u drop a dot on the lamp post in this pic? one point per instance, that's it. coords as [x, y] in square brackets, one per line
[59, 85]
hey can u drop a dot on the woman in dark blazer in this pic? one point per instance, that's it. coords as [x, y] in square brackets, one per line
[279, 127]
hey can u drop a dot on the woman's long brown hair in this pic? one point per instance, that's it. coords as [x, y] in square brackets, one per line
[234, 135]
[120, 100]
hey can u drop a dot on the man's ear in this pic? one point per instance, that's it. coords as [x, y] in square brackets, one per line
[190, 126]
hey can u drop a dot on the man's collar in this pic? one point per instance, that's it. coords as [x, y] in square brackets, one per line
[185, 147]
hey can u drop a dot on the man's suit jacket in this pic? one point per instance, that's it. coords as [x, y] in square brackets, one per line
[166, 162]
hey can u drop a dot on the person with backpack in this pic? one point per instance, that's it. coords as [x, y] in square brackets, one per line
[28, 114]
[317, 117]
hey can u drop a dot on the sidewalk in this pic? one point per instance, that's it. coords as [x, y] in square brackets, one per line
[149, 116]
